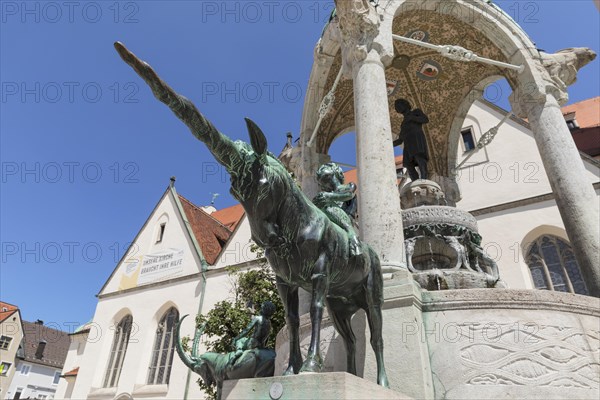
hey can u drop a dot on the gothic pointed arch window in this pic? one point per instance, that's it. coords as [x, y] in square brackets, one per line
[118, 350]
[164, 348]
[553, 266]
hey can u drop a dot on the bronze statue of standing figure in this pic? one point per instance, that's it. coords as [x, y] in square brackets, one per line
[415, 144]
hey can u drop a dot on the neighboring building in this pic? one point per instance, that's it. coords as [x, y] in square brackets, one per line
[11, 334]
[176, 264]
[583, 120]
[39, 362]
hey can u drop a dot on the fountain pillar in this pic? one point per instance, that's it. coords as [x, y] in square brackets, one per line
[365, 49]
[379, 205]
[575, 197]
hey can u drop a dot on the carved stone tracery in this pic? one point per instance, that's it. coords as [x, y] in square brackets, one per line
[551, 75]
[436, 97]
[359, 25]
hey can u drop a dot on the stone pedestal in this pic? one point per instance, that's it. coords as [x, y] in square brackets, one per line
[474, 344]
[512, 344]
[422, 192]
[406, 355]
[332, 385]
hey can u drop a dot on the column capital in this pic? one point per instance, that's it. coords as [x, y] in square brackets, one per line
[359, 26]
[550, 74]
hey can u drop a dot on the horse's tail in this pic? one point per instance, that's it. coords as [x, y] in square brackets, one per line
[190, 361]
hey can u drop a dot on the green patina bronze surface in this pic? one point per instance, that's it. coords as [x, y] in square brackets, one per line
[214, 368]
[303, 246]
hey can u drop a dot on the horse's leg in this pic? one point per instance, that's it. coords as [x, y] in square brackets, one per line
[374, 298]
[219, 389]
[313, 362]
[341, 316]
[289, 297]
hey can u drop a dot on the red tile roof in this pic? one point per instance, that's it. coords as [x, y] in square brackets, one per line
[72, 372]
[587, 115]
[10, 310]
[210, 233]
[230, 216]
[352, 175]
[57, 344]
[587, 112]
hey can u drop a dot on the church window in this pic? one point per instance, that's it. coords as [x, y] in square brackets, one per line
[164, 349]
[117, 352]
[553, 266]
[161, 232]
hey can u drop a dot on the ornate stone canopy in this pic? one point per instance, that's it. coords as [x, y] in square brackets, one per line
[435, 84]
[359, 52]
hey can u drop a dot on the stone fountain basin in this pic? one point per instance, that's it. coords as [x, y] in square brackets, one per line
[436, 215]
[477, 344]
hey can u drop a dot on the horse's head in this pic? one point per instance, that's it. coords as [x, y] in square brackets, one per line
[258, 179]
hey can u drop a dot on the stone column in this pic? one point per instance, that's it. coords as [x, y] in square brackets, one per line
[364, 50]
[307, 173]
[379, 203]
[575, 196]
[379, 212]
[540, 92]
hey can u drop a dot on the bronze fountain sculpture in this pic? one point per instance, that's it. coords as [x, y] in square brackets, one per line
[252, 359]
[303, 246]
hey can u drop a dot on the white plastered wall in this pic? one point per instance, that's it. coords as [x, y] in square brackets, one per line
[509, 170]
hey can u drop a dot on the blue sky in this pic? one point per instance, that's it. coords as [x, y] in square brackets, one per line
[86, 151]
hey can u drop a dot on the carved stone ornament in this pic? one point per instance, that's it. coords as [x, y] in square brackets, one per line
[359, 25]
[438, 215]
[563, 67]
[421, 192]
[442, 243]
[553, 73]
[457, 53]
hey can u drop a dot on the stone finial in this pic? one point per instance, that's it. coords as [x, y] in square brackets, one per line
[359, 25]
[554, 73]
[563, 67]
[286, 153]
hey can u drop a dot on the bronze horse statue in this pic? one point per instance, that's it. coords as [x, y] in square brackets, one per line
[304, 248]
[214, 368]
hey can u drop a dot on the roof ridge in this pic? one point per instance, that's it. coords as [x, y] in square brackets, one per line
[226, 208]
[4, 315]
[581, 101]
[200, 209]
[9, 304]
[45, 327]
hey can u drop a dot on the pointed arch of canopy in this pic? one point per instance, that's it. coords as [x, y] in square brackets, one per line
[443, 88]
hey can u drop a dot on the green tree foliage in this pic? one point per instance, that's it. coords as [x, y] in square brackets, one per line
[229, 317]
